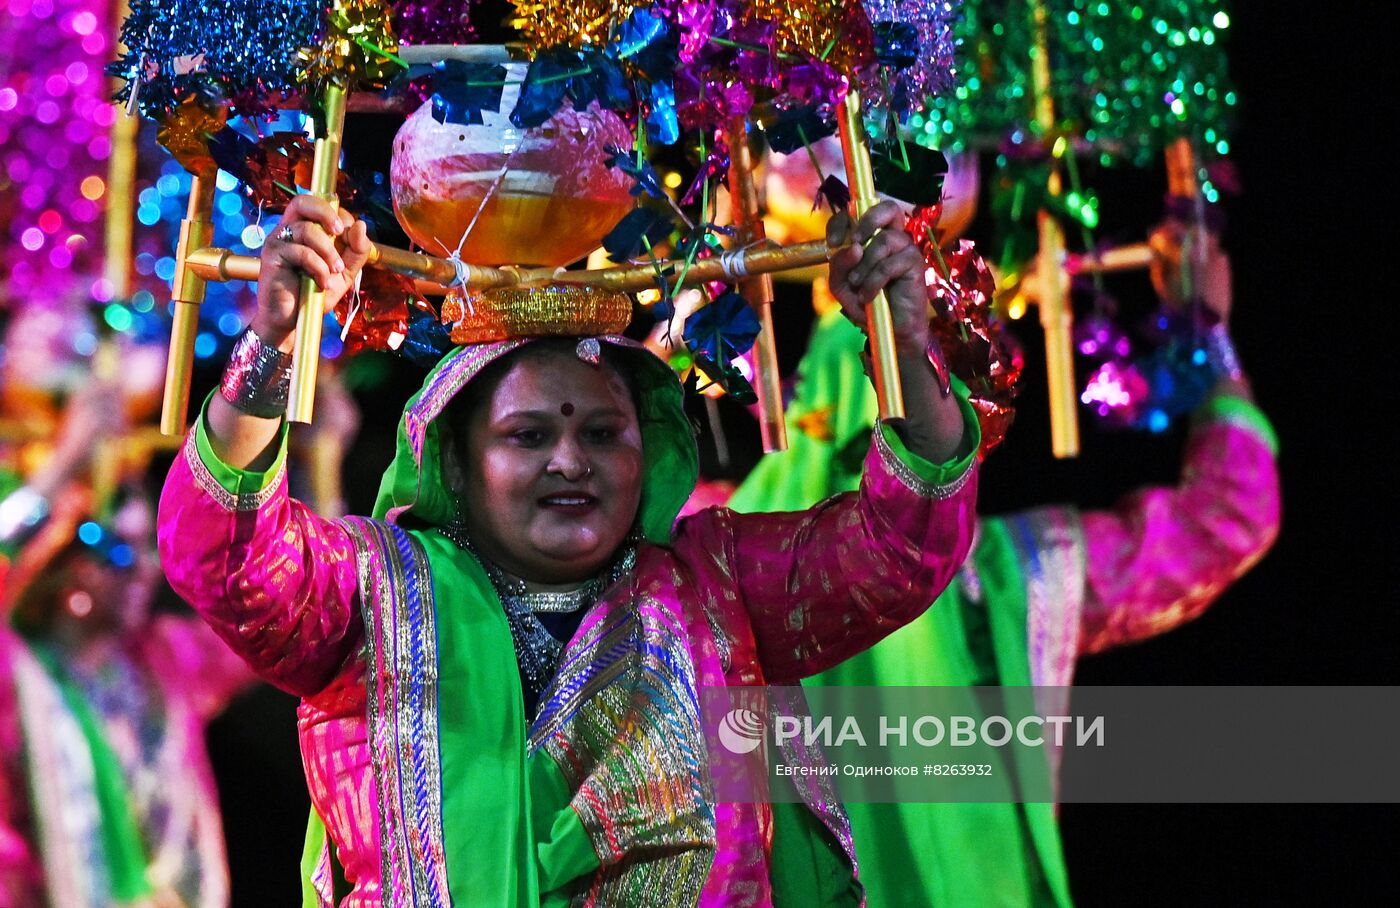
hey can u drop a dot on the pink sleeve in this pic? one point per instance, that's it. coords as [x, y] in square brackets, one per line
[273, 579]
[824, 584]
[1162, 555]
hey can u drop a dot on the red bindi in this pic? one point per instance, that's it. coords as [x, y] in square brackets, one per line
[567, 409]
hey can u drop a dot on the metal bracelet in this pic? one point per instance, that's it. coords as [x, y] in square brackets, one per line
[257, 378]
[22, 513]
[1221, 355]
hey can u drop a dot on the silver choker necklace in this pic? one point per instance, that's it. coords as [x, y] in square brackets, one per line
[546, 602]
[537, 651]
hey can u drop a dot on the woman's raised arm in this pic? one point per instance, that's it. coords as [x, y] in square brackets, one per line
[275, 581]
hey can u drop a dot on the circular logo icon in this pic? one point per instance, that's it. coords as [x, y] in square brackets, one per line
[741, 731]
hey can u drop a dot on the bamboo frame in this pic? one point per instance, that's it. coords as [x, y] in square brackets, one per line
[1056, 317]
[311, 299]
[215, 264]
[757, 289]
[198, 262]
[855, 147]
[187, 293]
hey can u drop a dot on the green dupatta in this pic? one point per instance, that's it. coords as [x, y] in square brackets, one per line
[968, 855]
[508, 834]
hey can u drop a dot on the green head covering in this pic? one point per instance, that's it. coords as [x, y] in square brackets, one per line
[669, 458]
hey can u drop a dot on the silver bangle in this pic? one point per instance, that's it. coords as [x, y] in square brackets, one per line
[22, 513]
[257, 378]
[1221, 355]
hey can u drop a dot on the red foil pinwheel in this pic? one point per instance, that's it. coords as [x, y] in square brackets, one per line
[975, 343]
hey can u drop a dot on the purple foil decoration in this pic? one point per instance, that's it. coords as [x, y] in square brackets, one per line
[433, 21]
[696, 21]
[933, 72]
[1100, 337]
[1117, 392]
[729, 60]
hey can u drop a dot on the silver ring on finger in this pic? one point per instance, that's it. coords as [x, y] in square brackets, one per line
[285, 234]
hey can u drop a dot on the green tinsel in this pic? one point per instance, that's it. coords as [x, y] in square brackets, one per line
[1127, 77]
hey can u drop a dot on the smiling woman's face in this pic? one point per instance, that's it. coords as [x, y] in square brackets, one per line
[550, 474]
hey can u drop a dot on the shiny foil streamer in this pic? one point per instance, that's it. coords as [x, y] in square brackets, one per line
[1127, 76]
[546, 23]
[235, 49]
[354, 49]
[919, 59]
[433, 21]
[975, 343]
[831, 30]
[376, 317]
[185, 131]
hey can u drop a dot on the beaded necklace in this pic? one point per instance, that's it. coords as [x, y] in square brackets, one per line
[537, 651]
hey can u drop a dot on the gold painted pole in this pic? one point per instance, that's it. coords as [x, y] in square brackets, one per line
[325, 170]
[120, 216]
[1055, 315]
[187, 292]
[756, 288]
[214, 264]
[861, 175]
[1181, 169]
[1189, 257]
[1133, 257]
[1057, 321]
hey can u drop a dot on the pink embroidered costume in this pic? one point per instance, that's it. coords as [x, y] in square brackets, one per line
[1039, 589]
[106, 793]
[433, 784]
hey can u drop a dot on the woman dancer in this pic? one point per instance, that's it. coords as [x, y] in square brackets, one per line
[499, 672]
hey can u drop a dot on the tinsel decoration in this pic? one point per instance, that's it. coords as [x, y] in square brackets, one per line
[376, 315]
[186, 131]
[640, 229]
[1127, 76]
[910, 172]
[834, 31]
[548, 23]
[1167, 380]
[240, 50]
[461, 91]
[916, 50]
[975, 344]
[1116, 392]
[271, 171]
[723, 330]
[357, 47]
[428, 339]
[1100, 337]
[433, 21]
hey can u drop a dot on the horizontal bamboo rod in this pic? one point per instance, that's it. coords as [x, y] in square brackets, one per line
[214, 264]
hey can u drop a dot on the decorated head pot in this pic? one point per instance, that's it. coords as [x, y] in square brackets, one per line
[540, 196]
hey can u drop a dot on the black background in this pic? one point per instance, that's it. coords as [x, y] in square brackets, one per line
[1315, 327]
